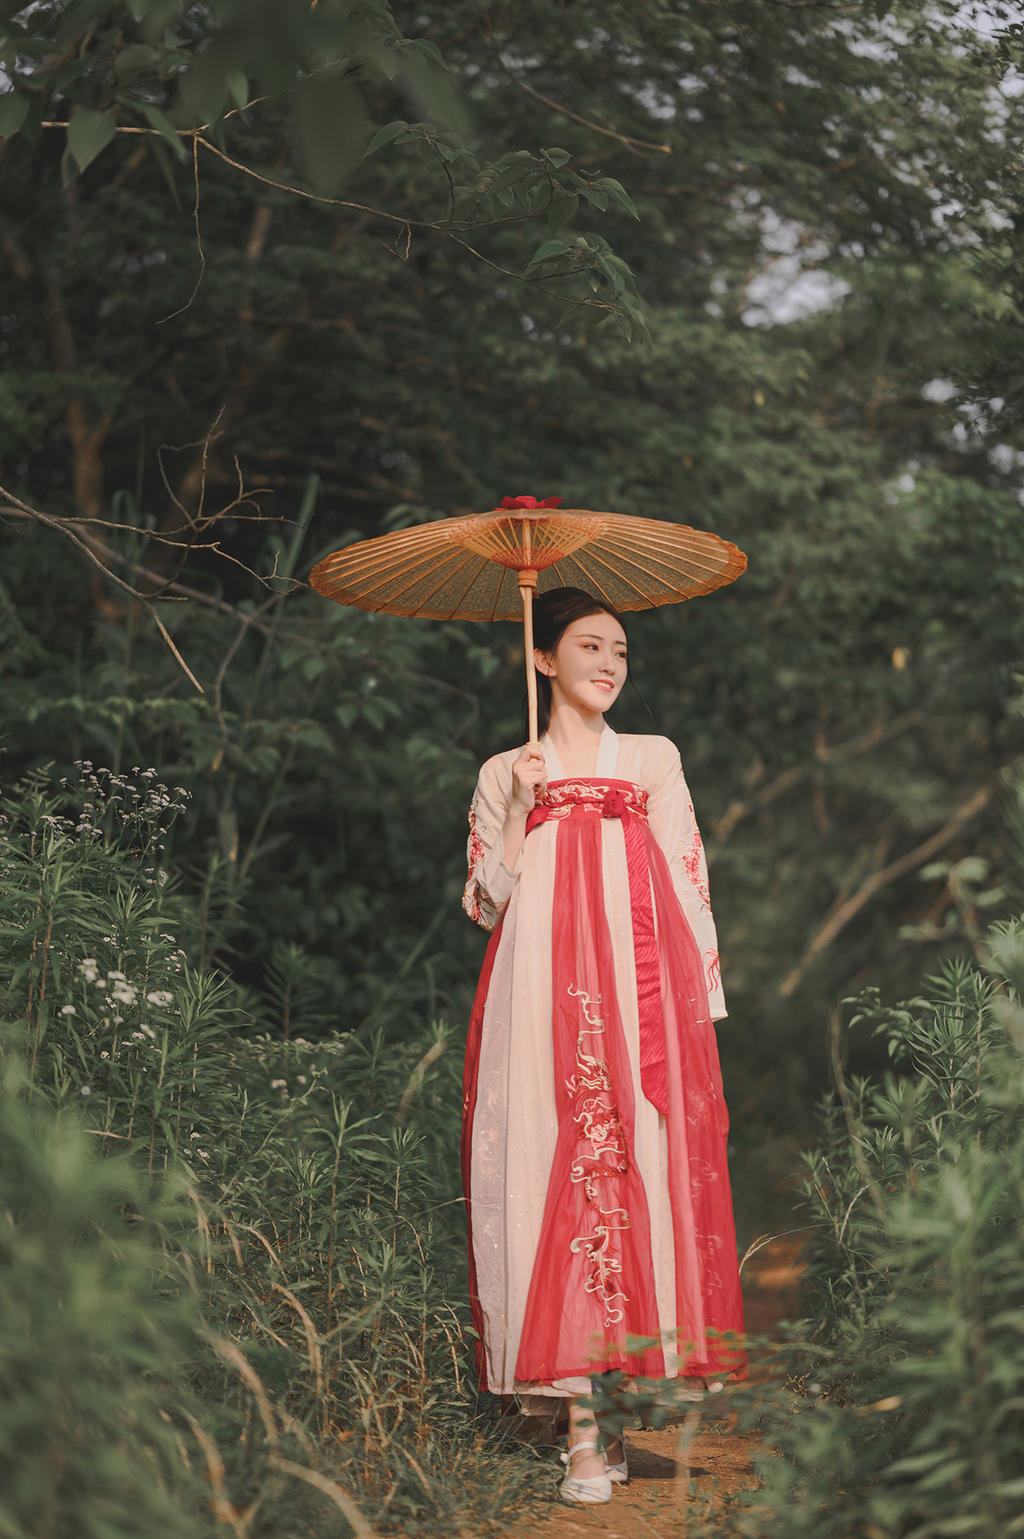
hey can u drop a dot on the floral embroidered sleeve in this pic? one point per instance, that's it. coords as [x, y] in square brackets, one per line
[675, 827]
[490, 882]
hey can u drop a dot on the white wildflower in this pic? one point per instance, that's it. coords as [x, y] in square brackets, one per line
[86, 1090]
[161, 998]
[116, 978]
[279, 1084]
[301, 1078]
[146, 1030]
[104, 1054]
[68, 1010]
[88, 969]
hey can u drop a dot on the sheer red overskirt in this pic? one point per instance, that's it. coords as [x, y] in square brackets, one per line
[591, 1304]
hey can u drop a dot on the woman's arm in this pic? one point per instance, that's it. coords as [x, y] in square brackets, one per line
[674, 825]
[497, 832]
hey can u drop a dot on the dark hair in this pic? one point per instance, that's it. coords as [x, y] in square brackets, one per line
[553, 613]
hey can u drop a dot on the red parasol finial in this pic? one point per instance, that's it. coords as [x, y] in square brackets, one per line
[530, 502]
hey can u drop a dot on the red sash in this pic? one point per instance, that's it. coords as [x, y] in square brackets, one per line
[591, 1304]
[627, 802]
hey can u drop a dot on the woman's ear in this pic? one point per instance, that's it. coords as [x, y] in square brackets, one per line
[543, 663]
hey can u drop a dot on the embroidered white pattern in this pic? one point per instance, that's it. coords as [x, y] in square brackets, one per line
[601, 1153]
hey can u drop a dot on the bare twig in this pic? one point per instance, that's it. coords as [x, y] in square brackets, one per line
[633, 145]
[416, 1079]
[199, 238]
[165, 633]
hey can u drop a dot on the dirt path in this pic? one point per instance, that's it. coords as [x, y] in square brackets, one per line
[691, 1468]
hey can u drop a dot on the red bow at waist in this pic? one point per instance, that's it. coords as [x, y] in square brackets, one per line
[623, 800]
[589, 798]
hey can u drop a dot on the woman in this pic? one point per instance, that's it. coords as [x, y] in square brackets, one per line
[601, 1233]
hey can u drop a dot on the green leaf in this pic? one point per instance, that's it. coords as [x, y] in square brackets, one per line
[433, 91]
[595, 196]
[13, 111]
[158, 150]
[429, 50]
[386, 135]
[68, 167]
[619, 194]
[238, 86]
[165, 128]
[561, 212]
[88, 133]
[135, 59]
[330, 119]
[556, 157]
[549, 250]
[70, 73]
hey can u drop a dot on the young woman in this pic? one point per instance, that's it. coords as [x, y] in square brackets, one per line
[600, 1220]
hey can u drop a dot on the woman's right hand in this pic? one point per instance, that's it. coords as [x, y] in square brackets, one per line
[529, 775]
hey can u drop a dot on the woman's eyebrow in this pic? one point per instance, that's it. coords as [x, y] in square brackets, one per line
[592, 636]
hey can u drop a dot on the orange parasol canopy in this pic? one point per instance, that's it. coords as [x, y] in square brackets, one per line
[485, 566]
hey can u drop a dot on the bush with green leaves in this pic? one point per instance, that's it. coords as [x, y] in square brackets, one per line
[907, 1420]
[235, 1253]
[99, 1328]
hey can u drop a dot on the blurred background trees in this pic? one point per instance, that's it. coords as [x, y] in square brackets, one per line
[366, 265]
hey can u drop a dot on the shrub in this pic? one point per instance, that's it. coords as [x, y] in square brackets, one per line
[257, 1254]
[908, 1420]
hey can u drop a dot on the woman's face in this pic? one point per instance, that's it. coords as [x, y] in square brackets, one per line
[588, 666]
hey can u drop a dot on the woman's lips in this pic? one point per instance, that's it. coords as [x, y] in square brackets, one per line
[603, 683]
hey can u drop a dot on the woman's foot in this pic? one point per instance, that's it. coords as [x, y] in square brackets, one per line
[586, 1480]
[615, 1460]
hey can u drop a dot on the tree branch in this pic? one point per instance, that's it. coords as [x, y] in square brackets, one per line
[722, 828]
[844, 909]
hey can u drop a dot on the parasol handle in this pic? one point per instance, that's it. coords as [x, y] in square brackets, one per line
[527, 584]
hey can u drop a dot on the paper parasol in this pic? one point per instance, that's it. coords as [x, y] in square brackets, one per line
[485, 566]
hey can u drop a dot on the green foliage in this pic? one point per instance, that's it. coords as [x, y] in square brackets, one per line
[178, 77]
[826, 259]
[908, 1419]
[99, 1327]
[233, 1257]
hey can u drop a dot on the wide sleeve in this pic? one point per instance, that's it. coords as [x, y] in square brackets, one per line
[674, 825]
[490, 882]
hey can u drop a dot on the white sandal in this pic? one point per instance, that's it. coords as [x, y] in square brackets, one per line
[618, 1472]
[574, 1488]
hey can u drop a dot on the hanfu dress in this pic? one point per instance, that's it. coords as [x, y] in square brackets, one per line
[594, 1127]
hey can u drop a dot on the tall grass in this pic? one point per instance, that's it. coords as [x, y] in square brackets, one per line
[233, 1255]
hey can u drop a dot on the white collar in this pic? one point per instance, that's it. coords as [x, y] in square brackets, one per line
[607, 755]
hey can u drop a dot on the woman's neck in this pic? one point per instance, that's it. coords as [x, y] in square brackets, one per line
[576, 739]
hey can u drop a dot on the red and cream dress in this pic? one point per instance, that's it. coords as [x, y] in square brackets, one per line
[600, 1218]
